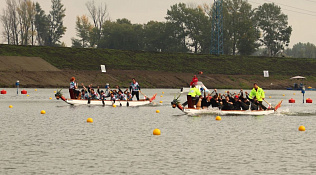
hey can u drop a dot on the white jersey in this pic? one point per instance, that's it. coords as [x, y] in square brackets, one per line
[72, 85]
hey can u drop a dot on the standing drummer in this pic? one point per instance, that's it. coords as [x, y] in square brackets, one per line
[134, 88]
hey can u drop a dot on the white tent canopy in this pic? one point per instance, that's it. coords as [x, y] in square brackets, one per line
[298, 77]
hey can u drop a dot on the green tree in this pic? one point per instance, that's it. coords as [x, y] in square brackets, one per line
[57, 28]
[273, 25]
[240, 33]
[122, 34]
[191, 27]
[155, 36]
[41, 25]
[76, 43]
[84, 29]
[302, 50]
[199, 26]
[176, 22]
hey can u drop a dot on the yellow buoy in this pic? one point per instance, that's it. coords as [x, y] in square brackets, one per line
[161, 96]
[90, 120]
[218, 118]
[301, 128]
[50, 98]
[269, 96]
[160, 102]
[156, 131]
[54, 91]
[293, 93]
[163, 92]
[27, 95]
[157, 111]
[10, 106]
[35, 89]
[114, 105]
[43, 112]
[283, 94]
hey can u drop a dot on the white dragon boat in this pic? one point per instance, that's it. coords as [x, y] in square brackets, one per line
[142, 102]
[197, 111]
[193, 111]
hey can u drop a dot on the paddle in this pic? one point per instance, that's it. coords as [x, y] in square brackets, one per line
[88, 97]
[86, 90]
[267, 102]
[143, 94]
[113, 102]
[102, 98]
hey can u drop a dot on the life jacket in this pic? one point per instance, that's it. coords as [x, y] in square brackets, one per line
[194, 92]
[259, 94]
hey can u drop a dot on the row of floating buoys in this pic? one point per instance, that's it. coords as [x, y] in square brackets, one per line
[5, 92]
[301, 128]
[42, 111]
[161, 96]
[157, 131]
[308, 100]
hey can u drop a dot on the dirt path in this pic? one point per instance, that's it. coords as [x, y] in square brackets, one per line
[14, 63]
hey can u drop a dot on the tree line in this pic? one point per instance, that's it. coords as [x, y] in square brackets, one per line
[25, 23]
[187, 28]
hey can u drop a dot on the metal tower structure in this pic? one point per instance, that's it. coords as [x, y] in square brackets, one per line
[217, 39]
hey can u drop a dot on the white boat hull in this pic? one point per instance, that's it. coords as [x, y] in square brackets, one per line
[216, 111]
[58, 96]
[108, 102]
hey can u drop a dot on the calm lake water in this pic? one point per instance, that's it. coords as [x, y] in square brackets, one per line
[120, 140]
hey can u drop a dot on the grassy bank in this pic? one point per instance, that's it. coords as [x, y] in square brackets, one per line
[152, 69]
[90, 59]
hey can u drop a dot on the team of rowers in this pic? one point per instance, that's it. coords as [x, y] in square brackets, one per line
[109, 94]
[228, 101]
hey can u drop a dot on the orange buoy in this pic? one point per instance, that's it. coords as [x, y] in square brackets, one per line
[156, 132]
[3, 92]
[23, 92]
[291, 100]
[308, 100]
[218, 118]
[301, 128]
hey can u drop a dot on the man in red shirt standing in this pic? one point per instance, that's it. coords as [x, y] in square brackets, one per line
[194, 80]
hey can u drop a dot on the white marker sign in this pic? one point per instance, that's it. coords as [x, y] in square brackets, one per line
[103, 68]
[265, 73]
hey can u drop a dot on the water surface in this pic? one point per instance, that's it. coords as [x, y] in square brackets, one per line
[120, 140]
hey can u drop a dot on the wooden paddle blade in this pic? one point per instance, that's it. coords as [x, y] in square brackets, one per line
[278, 105]
[153, 98]
[127, 104]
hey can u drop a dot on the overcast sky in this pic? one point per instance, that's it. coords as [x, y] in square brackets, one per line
[301, 13]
